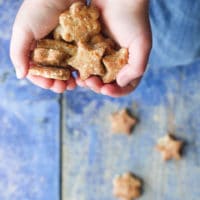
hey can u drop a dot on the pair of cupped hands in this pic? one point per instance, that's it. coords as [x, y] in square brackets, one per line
[126, 20]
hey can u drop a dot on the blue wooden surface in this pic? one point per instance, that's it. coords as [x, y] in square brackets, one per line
[29, 129]
[166, 100]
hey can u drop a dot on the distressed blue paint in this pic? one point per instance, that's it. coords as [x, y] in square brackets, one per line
[166, 100]
[29, 150]
[29, 128]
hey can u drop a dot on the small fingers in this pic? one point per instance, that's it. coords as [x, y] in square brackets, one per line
[115, 90]
[57, 86]
[40, 81]
[80, 83]
[71, 84]
[21, 43]
[94, 83]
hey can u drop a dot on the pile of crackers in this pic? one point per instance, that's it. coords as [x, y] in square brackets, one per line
[78, 44]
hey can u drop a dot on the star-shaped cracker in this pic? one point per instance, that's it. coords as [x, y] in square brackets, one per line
[127, 187]
[87, 61]
[114, 63]
[169, 147]
[79, 23]
[122, 122]
[99, 41]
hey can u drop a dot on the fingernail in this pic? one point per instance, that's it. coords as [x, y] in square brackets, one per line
[103, 92]
[135, 82]
[97, 91]
[18, 73]
[93, 87]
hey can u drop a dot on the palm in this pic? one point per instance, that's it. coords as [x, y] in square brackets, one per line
[130, 28]
[123, 25]
[37, 27]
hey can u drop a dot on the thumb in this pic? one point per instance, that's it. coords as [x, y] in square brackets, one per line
[138, 57]
[20, 47]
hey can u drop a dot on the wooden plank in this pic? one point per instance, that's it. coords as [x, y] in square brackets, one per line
[29, 129]
[166, 100]
[29, 141]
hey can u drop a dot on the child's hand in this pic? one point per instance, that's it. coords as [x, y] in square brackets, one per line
[36, 19]
[128, 23]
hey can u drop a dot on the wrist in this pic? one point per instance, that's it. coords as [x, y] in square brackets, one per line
[130, 2]
[61, 4]
[55, 4]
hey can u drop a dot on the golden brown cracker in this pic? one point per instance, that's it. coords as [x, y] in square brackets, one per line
[99, 41]
[64, 47]
[49, 57]
[57, 73]
[122, 122]
[79, 23]
[169, 147]
[127, 186]
[88, 61]
[114, 63]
